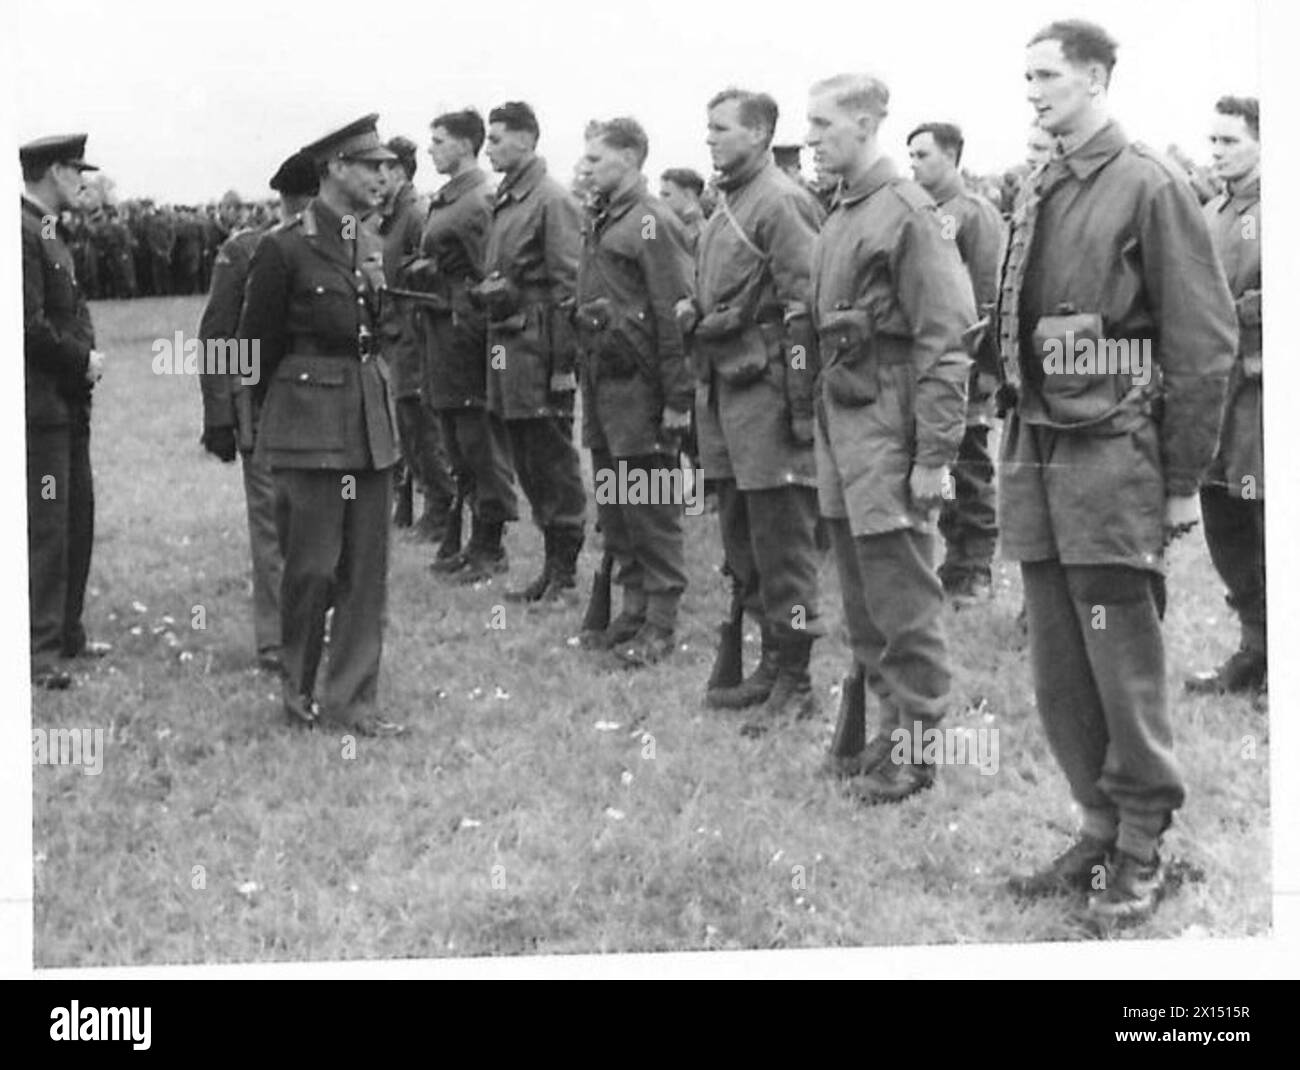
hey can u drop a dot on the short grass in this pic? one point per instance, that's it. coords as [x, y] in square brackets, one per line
[538, 804]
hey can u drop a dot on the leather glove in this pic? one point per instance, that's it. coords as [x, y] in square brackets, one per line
[220, 441]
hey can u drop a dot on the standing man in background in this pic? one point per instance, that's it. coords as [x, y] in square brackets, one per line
[230, 414]
[61, 366]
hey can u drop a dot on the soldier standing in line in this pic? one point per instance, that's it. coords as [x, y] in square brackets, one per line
[401, 221]
[160, 235]
[453, 332]
[636, 391]
[755, 358]
[61, 366]
[892, 304]
[1100, 465]
[968, 521]
[532, 266]
[1232, 494]
[187, 253]
[230, 414]
[328, 431]
[680, 189]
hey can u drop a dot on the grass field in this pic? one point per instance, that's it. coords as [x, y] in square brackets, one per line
[537, 805]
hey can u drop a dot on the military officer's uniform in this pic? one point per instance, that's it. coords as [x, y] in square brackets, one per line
[891, 303]
[1107, 243]
[58, 338]
[755, 360]
[328, 432]
[636, 265]
[968, 520]
[532, 250]
[1232, 496]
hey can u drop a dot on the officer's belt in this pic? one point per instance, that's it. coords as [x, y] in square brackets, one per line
[306, 347]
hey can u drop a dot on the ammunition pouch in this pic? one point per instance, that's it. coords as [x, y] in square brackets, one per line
[848, 368]
[729, 342]
[620, 341]
[1074, 399]
[502, 301]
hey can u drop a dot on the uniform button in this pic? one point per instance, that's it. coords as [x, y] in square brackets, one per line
[318, 289]
[361, 300]
[303, 377]
[357, 273]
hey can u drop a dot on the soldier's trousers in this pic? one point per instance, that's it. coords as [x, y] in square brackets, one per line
[549, 471]
[335, 550]
[478, 448]
[969, 520]
[1098, 663]
[769, 548]
[424, 452]
[263, 541]
[60, 537]
[1234, 532]
[645, 540]
[893, 603]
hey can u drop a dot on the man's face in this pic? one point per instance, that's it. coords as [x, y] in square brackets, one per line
[603, 168]
[228, 213]
[836, 136]
[731, 144]
[1039, 146]
[677, 198]
[391, 180]
[68, 186]
[1059, 90]
[507, 149]
[1234, 153]
[446, 151]
[361, 182]
[931, 165]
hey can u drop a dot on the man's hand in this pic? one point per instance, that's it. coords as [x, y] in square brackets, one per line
[94, 367]
[220, 441]
[687, 316]
[927, 486]
[1182, 513]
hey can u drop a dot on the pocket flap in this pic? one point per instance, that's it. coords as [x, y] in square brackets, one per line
[312, 371]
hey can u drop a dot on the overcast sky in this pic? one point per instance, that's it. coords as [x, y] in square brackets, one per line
[182, 104]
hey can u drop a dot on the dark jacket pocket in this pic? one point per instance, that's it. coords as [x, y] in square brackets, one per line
[307, 404]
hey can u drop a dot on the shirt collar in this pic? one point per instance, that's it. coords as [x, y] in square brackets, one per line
[878, 175]
[458, 185]
[1243, 195]
[522, 182]
[621, 200]
[1092, 155]
[730, 181]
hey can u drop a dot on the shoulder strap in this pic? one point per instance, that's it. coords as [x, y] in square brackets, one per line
[735, 223]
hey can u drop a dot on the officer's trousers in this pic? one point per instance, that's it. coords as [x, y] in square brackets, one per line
[478, 449]
[60, 537]
[969, 520]
[1234, 532]
[1098, 664]
[769, 548]
[645, 539]
[263, 541]
[549, 471]
[333, 532]
[893, 602]
[425, 452]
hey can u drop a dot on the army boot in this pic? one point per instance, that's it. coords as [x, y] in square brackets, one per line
[538, 587]
[433, 522]
[1133, 890]
[892, 782]
[755, 687]
[791, 698]
[623, 627]
[562, 587]
[1072, 871]
[485, 556]
[850, 753]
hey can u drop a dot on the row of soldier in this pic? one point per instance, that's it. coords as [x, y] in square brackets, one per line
[835, 369]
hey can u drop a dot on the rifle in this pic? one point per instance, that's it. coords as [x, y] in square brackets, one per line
[450, 545]
[851, 729]
[728, 665]
[596, 619]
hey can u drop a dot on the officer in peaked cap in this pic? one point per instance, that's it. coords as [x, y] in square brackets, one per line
[229, 412]
[62, 366]
[328, 431]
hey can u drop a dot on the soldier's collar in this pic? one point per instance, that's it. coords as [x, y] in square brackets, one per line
[522, 182]
[730, 181]
[621, 200]
[40, 206]
[878, 175]
[1244, 194]
[949, 188]
[1093, 154]
[458, 185]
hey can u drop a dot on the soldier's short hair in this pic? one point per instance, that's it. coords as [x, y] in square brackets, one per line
[946, 135]
[1246, 107]
[684, 178]
[516, 115]
[1081, 42]
[857, 92]
[758, 111]
[466, 124]
[405, 150]
[622, 133]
